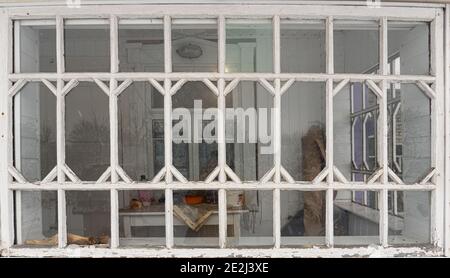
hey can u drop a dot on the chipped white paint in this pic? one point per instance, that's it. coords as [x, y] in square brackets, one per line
[174, 81]
[222, 159]
[437, 128]
[232, 185]
[447, 133]
[383, 132]
[313, 252]
[6, 195]
[200, 76]
[329, 219]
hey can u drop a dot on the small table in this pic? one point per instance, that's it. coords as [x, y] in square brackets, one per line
[154, 215]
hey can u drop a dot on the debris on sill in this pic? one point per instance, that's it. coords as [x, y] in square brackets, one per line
[72, 239]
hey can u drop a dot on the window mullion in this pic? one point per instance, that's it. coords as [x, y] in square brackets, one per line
[329, 226]
[437, 136]
[6, 195]
[17, 136]
[168, 130]
[352, 136]
[113, 122]
[60, 132]
[221, 133]
[277, 133]
[447, 129]
[383, 134]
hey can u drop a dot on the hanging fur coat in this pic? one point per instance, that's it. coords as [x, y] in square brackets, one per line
[313, 146]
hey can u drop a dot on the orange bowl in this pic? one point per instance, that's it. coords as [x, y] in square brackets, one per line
[193, 199]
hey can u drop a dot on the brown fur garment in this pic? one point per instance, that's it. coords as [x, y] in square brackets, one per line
[313, 147]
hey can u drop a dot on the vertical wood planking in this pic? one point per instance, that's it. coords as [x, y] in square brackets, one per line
[329, 226]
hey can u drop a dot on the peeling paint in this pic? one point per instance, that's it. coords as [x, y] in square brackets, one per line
[93, 252]
[372, 251]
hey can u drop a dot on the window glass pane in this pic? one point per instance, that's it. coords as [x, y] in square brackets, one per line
[87, 131]
[142, 218]
[88, 217]
[302, 218]
[194, 46]
[358, 196]
[365, 198]
[196, 219]
[249, 130]
[302, 46]
[141, 46]
[250, 218]
[356, 46]
[411, 220]
[37, 50]
[411, 42]
[409, 132]
[355, 114]
[249, 46]
[354, 224]
[87, 47]
[39, 221]
[141, 131]
[35, 131]
[194, 131]
[303, 130]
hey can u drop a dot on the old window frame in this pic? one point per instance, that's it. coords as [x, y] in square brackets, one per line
[12, 82]
[394, 104]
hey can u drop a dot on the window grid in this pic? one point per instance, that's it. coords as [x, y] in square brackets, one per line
[271, 181]
[394, 107]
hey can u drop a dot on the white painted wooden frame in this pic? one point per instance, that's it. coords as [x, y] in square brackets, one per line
[363, 116]
[447, 133]
[169, 178]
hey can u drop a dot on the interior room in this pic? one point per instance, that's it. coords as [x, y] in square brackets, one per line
[249, 152]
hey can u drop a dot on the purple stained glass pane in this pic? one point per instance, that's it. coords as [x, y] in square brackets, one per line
[357, 142]
[359, 197]
[357, 97]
